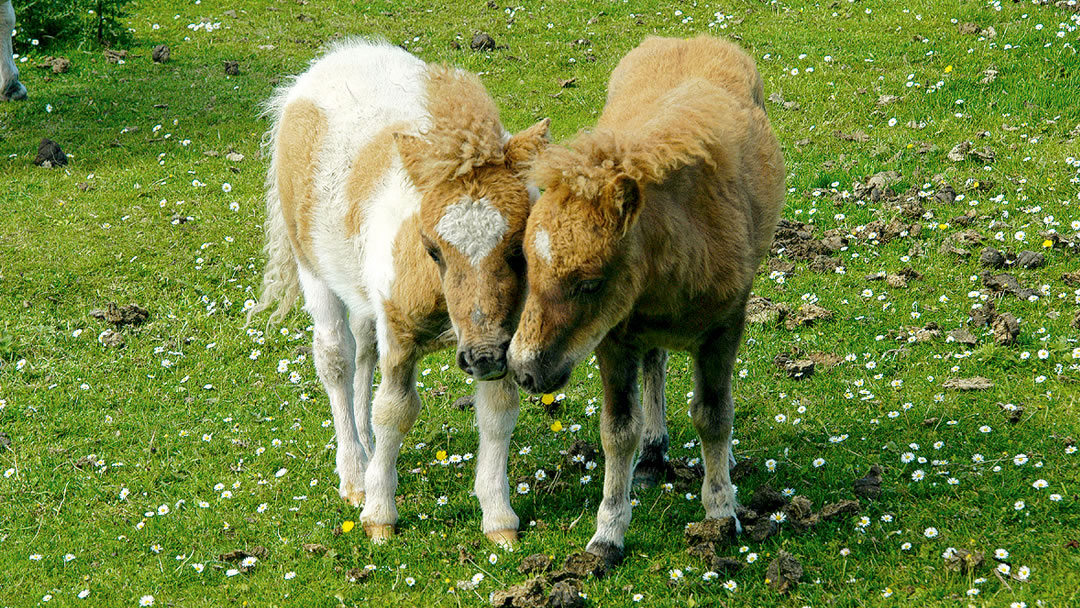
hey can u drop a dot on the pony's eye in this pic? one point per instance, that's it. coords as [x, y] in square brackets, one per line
[588, 286]
[433, 251]
[516, 259]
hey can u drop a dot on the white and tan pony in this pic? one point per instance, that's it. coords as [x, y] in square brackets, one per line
[396, 204]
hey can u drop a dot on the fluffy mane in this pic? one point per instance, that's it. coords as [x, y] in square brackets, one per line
[465, 131]
[685, 125]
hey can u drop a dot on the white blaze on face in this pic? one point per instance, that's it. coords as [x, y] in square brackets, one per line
[542, 244]
[473, 227]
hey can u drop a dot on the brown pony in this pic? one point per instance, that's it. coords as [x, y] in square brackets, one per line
[396, 203]
[648, 236]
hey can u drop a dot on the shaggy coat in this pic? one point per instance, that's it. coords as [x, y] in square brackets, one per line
[396, 204]
[648, 236]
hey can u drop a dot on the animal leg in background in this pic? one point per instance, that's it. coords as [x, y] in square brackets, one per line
[620, 433]
[334, 352]
[367, 356]
[10, 87]
[713, 410]
[650, 468]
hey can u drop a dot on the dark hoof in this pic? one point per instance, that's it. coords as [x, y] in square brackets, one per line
[14, 91]
[612, 555]
[648, 475]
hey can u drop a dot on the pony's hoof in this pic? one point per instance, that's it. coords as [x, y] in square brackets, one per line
[648, 475]
[607, 551]
[351, 495]
[14, 91]
[379, 533]
[507, 539]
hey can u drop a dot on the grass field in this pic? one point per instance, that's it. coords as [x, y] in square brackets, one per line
[129, 470]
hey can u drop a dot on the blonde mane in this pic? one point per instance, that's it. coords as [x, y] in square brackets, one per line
[465, 130]
[685, 125]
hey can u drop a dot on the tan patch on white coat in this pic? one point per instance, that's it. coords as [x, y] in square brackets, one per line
[369, 168]
[299, 140]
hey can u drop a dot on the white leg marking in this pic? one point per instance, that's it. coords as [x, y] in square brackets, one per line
[620, 438]
[334, 352]
[496, 415]
[473, 227]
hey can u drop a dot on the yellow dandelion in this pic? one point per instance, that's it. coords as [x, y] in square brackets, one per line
[440, 455]
[556, 426]
[948, 68]
[347, 526]
[1048, 243]
[547, 399]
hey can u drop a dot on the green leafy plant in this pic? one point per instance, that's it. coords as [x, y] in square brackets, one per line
[82, 21]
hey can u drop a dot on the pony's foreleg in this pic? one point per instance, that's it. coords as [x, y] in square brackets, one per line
[394, 412]
[496, 415]
[363, 330]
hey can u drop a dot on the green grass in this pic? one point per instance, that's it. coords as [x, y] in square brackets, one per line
[100, 230]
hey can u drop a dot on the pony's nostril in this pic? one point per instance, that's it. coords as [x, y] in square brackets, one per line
[463, 361]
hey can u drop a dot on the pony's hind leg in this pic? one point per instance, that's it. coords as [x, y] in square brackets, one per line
[394, 411]
[367, 355]
[496, 415]
[713, 410]
[334, 350]
[651, 466]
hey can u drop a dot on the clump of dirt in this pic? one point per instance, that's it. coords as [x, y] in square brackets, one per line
[744, 468]
[1014, 413]
[800, 511]
[763, 310]
[784, 573]
[111, 338]
[50, 155]
[807, 315]
[5, 440]
[977, 383]
[797, 369]
[580, 453]
[232, 68]
[795, 241]
[315, 548]
[1059, 241]
[963, 336]
[58, 65]
[122, 316]
[581, 565]
[236, 555]
[766, 499]
[869, 487]
[533, 594]
[963, 561]
[1030, 260]
[537, 562]
[463, 403]
[716, 531]
[992, 258]
[115, 56]
[876, 186]
[1076, 320]
[1005, 326]
[482, 41]
[160, 54]
[359, 575]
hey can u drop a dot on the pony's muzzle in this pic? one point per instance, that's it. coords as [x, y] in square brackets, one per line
[483, 363]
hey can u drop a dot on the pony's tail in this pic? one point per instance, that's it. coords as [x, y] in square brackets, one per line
[281, 279]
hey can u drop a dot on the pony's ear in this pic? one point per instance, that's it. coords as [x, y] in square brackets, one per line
[414, 152]
[622, 199]
[523, 147]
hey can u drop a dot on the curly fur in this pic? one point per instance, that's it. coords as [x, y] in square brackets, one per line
[465, 130]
